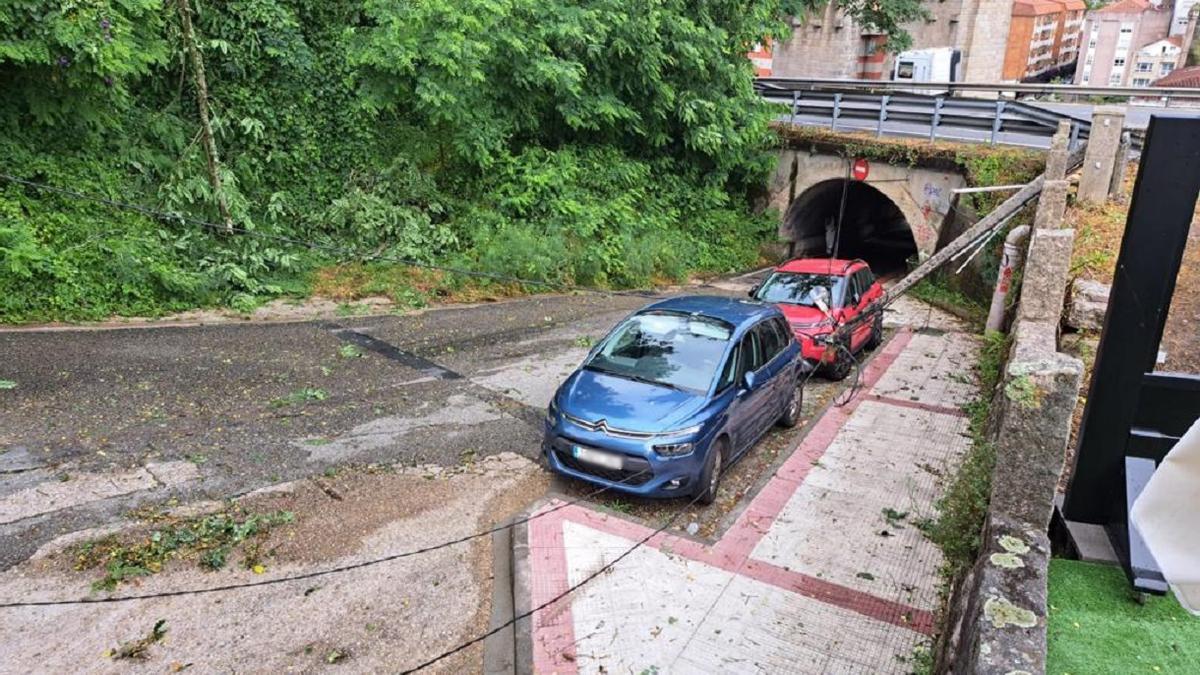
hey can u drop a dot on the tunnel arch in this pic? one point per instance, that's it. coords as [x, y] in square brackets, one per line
[874, 227]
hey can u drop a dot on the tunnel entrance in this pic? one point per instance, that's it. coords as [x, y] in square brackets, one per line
[873, 227]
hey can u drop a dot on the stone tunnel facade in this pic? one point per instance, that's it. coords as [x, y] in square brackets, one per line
[898, 211]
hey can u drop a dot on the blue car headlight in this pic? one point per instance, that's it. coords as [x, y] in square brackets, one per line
[673, 449]
[679, 448]
[552, 413]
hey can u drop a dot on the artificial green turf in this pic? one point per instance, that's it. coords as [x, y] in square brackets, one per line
[1096, 626]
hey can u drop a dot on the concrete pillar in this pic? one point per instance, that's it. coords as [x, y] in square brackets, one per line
[1052, 204]
[1056, 158]
[1107, 125]
[1116, 185]
[1044, 281]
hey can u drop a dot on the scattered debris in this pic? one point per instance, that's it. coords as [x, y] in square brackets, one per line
[894, 517]
[300, 396]
[350, 352]
[210, 538]
[136, 649]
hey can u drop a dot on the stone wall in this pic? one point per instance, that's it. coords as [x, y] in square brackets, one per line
[996, 617]
[830, 44]
[923, 195]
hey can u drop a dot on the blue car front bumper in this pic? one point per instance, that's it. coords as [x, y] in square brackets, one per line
[643, 472]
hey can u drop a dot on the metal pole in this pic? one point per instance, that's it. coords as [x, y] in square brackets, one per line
[937, 116]
[996, 122]
[837, 110]
[990, 188]
[795, 104]
[837, 235]
[883, 102]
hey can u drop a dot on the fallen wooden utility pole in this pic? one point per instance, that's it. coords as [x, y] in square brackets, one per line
[206, 135]
[996, 218]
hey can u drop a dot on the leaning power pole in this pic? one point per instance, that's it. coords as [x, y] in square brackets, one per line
[206, 135]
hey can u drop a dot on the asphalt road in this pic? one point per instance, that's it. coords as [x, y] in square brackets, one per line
[102, 422]
[134, 416]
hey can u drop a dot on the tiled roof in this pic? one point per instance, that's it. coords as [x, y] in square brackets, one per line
[1182, 77]
[1035, 7]
[1125, 7]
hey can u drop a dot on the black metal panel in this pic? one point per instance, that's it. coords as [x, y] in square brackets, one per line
[1168, 402]
[1160, 216]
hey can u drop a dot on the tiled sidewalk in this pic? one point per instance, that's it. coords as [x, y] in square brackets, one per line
[824, 570]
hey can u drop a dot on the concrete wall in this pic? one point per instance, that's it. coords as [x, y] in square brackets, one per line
[1016, 51]
[985, 39]
[829, 44]
[923, 195]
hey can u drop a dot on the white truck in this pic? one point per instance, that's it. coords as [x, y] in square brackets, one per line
[936, 64]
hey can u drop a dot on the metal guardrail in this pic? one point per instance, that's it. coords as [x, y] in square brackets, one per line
[991, 119]
[788, 84]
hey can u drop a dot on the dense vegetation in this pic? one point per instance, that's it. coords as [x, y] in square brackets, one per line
[599, 142]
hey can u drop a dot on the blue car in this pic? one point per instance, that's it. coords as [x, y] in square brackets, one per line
[675, 394]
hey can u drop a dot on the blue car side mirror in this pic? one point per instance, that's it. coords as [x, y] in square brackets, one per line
[748, 381]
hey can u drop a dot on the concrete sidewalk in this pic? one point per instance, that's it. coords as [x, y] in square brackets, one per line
[824, 570]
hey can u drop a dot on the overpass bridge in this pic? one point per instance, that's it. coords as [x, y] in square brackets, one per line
[940, 111]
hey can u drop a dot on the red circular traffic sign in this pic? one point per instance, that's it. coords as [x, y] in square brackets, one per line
[860, 169]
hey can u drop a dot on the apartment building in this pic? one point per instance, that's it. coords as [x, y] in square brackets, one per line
[1155, 60]
[1113, 37]
[1043, 39]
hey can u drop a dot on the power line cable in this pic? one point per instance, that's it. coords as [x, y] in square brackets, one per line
[317, 573]
[605, 568]
[560, 596]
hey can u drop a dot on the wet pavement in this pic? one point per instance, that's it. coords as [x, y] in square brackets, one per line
[222, 410]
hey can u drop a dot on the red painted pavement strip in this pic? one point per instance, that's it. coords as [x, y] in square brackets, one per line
[554, 634]
[930, 407]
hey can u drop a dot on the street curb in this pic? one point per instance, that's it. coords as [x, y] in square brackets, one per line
[522, 591]
[499, 656]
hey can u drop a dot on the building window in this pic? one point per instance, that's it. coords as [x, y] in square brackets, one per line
[1144, 66]
[1141, 82]
[1118, 63]
[1167, 68]
[1114, 79]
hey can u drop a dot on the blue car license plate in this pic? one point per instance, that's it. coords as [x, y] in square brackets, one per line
[597, 457]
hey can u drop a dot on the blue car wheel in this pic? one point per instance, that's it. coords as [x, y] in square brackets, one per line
[710, 477]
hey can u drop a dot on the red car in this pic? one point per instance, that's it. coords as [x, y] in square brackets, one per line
[819, 294]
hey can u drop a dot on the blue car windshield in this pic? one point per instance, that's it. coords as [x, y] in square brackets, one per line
[795, 288]
[681, 351]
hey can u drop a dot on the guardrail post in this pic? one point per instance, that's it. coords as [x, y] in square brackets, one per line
[882, 114]
[795, 104]
[837, 110]
[996, 122]
[937, 116]
[1075, 129]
